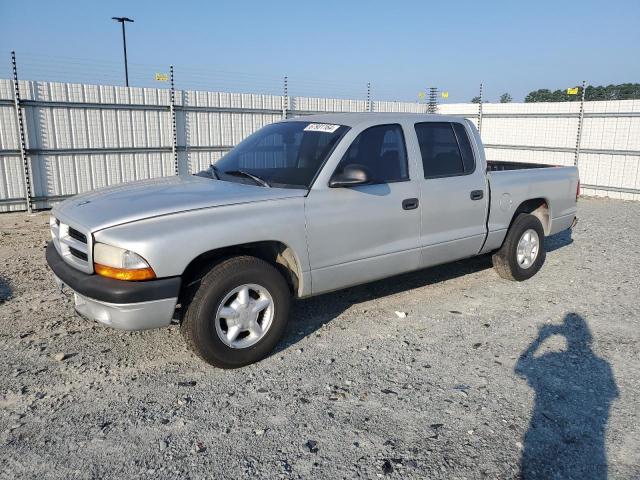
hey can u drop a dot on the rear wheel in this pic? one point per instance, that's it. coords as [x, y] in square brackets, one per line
[522, 253]
[238, 313]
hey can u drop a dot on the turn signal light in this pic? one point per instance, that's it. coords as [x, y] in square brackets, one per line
[133, 275]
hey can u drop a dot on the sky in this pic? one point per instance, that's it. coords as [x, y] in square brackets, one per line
[327, 47]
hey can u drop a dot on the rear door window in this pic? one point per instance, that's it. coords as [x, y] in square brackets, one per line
[465, 147]
[445, 149]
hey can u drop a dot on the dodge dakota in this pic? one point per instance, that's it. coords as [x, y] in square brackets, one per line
[299, 208]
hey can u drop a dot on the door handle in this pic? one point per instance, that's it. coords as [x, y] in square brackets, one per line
[476, 195]
[410, 204]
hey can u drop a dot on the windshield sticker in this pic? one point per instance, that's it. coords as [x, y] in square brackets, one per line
[321, 127]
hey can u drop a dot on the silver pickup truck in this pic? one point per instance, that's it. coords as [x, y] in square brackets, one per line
[299, 208]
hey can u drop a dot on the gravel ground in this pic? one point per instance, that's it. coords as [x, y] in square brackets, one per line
[483, 378]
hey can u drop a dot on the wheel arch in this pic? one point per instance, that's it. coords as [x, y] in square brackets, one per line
[275, 252]
[538, 207]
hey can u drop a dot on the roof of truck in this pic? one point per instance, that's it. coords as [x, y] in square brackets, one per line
[373, 118]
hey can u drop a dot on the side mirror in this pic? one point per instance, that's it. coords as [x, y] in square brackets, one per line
[350, 176]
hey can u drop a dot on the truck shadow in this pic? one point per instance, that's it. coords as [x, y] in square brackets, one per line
[5, 290]
[573, 393]
[559, 240]
[308, 315]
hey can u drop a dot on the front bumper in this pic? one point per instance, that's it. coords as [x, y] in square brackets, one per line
[117, 303]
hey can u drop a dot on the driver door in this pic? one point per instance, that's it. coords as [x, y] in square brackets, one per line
[361, 233]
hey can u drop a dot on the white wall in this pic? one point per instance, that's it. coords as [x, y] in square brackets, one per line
[88, 136]
[607, 126]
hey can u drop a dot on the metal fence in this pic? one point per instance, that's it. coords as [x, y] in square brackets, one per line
[602, 138]
[60, 139]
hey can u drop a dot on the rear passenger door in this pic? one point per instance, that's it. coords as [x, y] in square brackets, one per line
[453, 193]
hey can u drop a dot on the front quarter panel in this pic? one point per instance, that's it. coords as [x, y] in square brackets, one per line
[170, 242]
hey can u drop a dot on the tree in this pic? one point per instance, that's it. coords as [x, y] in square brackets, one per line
[545, 95]
[506, 98]
[475, 100]
[624, 91]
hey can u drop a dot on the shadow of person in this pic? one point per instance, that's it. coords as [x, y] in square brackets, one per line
[573, 393]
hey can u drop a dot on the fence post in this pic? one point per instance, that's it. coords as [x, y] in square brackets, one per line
[480, 111]
[285, 98]
[432, 106]
[369, 109]
[580, 120]
[187, 130]
[21, 136]
[172, 109]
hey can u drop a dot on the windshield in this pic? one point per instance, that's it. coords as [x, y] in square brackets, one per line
[287, 154]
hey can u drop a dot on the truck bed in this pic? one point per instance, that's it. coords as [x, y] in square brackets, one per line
[512, 183]
[496, 166]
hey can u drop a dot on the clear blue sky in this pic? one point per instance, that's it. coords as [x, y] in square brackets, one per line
[330, 47]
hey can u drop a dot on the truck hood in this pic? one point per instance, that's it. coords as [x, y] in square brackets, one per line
[134, 201]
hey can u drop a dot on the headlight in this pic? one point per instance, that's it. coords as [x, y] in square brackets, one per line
[121, 264]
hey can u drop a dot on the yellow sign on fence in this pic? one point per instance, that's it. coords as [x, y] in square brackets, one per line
[572, 91]
[445, 94]
[162, 77]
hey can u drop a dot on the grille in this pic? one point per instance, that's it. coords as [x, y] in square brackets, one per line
[78, 254]
[81, 237]
[72, 244]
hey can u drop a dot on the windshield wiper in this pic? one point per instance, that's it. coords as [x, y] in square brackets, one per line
[215, 170]
[258, 180]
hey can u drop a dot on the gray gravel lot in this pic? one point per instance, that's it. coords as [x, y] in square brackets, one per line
[454, 390]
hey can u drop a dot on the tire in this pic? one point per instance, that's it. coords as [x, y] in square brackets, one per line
[221, 291]
[506, 261]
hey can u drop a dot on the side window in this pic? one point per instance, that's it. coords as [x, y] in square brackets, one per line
[381, 150]
[445, 149]
[465, 147]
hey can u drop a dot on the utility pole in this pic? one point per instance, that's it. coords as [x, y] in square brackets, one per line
[122, 21]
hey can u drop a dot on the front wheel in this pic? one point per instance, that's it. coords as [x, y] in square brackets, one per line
[522, 253]
[238, 314]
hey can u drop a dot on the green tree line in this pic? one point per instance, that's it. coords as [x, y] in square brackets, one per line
[624, 91]
[504, 98]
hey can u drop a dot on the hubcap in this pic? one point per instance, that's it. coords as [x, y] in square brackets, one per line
[528, 248]
[244, 316]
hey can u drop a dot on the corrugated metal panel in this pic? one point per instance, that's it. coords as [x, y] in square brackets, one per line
[530, 156]
[125, 134]
[547, 132]
[6, 89]
[11, 183]
[399, 107]
[8, 128]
